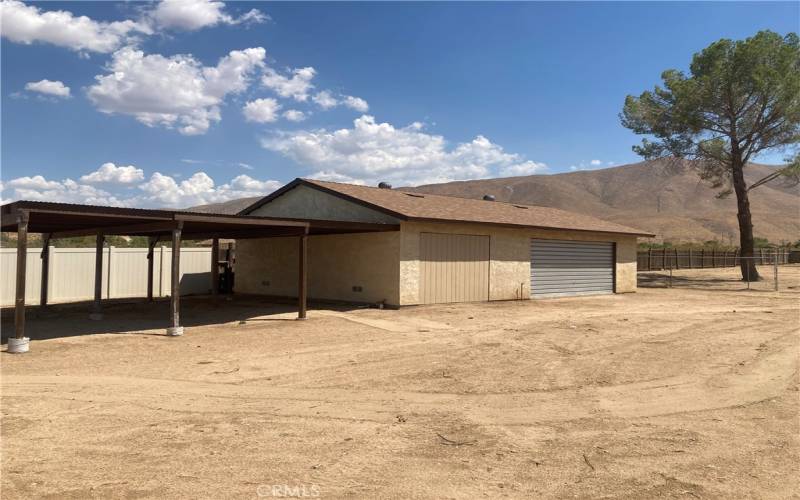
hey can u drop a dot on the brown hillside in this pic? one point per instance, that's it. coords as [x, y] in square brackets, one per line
[669, 200]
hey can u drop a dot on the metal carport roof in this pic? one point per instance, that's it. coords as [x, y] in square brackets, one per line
[63, 220]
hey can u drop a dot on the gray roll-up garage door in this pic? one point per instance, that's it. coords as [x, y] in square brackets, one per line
[562, 268]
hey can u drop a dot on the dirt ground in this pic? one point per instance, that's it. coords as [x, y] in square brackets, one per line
[675, 393]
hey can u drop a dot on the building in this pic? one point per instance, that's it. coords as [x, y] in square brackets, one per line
[424, 249]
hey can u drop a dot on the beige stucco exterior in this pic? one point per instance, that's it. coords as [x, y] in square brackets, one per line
[509, 250]
[336, 264]
[304, 202]
[387, 268]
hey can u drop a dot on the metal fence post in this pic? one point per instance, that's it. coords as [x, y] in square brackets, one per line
[776, 273]
[670, 276]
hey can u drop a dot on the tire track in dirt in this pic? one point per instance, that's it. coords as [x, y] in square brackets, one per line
[767, 376]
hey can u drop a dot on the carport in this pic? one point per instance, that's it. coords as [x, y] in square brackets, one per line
[61, 220]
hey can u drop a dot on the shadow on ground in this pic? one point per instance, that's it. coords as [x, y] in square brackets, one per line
[710, 283]
[152, 318]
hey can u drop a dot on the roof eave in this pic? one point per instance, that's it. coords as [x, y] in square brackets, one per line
[633, 232]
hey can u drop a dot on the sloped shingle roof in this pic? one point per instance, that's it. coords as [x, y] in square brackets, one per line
[429, 207]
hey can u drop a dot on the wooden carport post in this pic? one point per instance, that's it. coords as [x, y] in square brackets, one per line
[215, 266]
[97, 307]
[302, 285]
[151, 245]
[175, 296]
[45, 256]
[20, 343]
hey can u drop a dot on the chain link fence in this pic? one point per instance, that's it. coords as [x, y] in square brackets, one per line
[774, 276]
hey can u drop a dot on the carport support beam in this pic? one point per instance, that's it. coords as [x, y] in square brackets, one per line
[45, 256]
[175, 295]
[302, 291]
[97, 307]
[215, 266]
[151, 245]
[20, 342]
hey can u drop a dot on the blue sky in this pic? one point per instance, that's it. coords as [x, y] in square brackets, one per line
[190, 101]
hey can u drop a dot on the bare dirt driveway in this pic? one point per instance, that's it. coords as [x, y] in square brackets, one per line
[677, 393]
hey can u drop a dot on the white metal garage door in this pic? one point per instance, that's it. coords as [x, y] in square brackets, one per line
[453, 268]
[562, 268]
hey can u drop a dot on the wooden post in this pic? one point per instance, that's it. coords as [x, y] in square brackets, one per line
[302, 276]
[677, 263]
[650, 259]
[151, 245]
[45, 256]
[97, 307]
[175, 298]
[22, 260]
[215, 266]
[713, 257]
[702, 257]
[664, 258]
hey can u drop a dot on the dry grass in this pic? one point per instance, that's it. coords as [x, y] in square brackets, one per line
[664, 393]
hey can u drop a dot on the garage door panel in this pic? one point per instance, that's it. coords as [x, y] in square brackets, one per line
[569, 272]
[453, 268]
[561, 268]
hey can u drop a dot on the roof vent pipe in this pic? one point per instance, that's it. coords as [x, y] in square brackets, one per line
[488, 197]
[385, 185]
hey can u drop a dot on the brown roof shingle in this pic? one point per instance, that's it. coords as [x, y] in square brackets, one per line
[416, 206]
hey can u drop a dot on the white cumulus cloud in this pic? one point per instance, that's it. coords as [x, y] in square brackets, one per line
[524, 168]
[109, 173]
[172, 92]
[199, 189]
[294, 115]
[22, 23]
[261, 110]
[28, 24]
[37, 188]
[48, 87]
[190, 15]
[356, 103]
[371, 152]
[158, 191]
[297, 86]
[590, 165]
[326, 100]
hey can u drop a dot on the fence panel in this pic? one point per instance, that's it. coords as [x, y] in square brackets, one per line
[662, 259]
[124, 273]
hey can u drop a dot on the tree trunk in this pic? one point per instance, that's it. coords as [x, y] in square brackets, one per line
[747, 265]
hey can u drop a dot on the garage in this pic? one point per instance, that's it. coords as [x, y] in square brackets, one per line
[561, 268]
[453, 268]
[424, 248]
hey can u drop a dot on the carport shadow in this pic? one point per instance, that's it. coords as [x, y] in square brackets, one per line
[152, 318]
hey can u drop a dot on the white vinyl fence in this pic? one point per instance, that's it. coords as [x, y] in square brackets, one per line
[71, 276]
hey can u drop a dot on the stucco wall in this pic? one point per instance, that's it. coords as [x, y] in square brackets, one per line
[336, 263]
[304, 202]
[386, 265]
[509, 269]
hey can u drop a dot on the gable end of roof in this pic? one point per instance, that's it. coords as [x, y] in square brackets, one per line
[305, 182]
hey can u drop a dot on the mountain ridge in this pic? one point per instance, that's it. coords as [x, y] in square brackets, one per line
[667, 198]
[663, 197]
